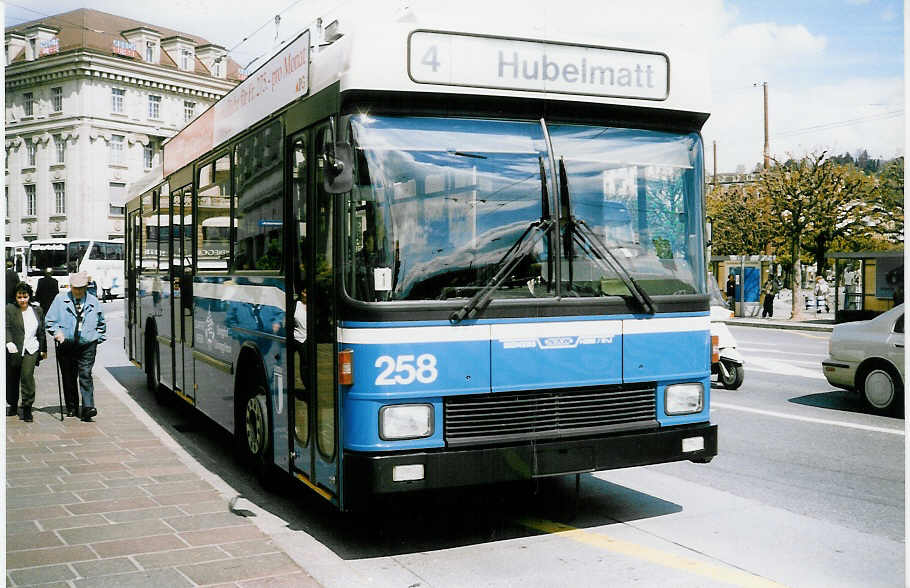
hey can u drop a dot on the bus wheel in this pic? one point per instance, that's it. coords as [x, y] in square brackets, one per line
[257, 434]
[153, 371]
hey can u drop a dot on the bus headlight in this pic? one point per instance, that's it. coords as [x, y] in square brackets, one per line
[686, 398]
[405, 421]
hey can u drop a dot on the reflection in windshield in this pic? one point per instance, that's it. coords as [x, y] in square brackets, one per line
[437, 203]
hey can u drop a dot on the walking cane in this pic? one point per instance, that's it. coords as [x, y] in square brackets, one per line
[59, 384]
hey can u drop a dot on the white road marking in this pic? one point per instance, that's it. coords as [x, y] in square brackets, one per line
[793, 417]
[782, 368]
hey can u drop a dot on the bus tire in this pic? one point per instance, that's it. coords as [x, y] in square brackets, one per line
[153, 370]
[255, 433]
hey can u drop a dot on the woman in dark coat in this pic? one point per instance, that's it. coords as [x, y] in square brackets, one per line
[26, 346]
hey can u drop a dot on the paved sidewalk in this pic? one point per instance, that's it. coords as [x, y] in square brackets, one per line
[810, 321]
[112, 503]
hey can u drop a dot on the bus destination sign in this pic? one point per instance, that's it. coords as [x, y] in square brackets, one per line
[494, 62]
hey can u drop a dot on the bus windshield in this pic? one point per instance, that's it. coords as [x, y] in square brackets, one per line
[440, 203]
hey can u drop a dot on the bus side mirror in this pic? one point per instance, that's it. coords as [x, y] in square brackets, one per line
[339, 169]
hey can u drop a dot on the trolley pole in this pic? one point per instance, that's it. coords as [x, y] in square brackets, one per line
[767, 150]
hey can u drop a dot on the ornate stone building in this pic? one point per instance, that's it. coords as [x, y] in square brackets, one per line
[90, 97]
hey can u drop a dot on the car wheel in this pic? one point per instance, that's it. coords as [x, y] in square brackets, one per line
[882, 390]
[735, 376]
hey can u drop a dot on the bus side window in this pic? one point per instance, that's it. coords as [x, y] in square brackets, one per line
[259, 209]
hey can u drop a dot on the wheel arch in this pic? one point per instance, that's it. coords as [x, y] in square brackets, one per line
[869, 364]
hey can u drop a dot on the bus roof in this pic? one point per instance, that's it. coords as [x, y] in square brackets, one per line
[605, 53]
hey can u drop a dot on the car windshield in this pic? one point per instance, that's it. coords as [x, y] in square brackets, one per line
[439, 205]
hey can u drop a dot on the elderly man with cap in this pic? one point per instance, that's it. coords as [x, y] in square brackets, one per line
[76, 322]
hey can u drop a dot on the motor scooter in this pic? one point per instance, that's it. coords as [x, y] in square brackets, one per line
[726, 361]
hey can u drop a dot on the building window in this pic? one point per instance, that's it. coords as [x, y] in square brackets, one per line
[60, 144]
[59, 198]
[154, 107]
[31, 201]
[117, 95]
[117, 195]
[186, 58]
[6, 194]
[150, 51]
[57, 99]
[33, 45]
[29, 104]
[117, 149]
[31, 149]
[148, 155]
[189, 111]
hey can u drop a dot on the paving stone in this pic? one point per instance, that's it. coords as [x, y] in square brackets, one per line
[226, 535]
[175, 478]
[113, 531]
[187, 498]
[95, 467]
[112, 493]
[26, 501]
[29, 490]
[117, 475]
[212, 520]
[159, 470]
[143, 579]
[240, 568]
[178, 487]
[205, 506]
[136, 444]
[34, 513]
[245, 548]
[123, 482]
[32, 541]
[105, 567]
[111, 505]
[21, 527]
[42, 575]
[47, 556]
[89, 520]
[168, 559]
[32, 480]
[140, 545]
[77, 486]
[158, 512]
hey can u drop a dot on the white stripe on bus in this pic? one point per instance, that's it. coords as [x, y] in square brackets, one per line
[246, 293]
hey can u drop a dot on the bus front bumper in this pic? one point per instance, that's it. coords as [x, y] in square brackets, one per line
[367, 473]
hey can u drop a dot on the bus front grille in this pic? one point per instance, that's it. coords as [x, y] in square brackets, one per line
[541, 414]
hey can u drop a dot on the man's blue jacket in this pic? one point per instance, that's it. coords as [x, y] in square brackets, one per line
[61, 316]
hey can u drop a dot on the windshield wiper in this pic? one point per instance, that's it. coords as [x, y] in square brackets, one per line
[596, 249]
[512, 257]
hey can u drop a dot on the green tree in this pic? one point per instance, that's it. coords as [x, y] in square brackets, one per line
[889, 201]
[740, 220]
[844, 212]
[794, 192]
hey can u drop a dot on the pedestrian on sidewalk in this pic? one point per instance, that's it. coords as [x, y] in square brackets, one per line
[821, 294]
[47, 290]
[26, 346]
[731, 291]
[770, 291]
[77, 324]
[12, 280]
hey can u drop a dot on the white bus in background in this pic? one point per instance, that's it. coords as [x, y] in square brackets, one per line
[17, 252]
[102, 260]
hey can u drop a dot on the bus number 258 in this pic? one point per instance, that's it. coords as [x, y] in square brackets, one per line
[403, 370]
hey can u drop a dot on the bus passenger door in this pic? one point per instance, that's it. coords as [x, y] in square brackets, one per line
[316, 442]
[130, 298]
[182, 280]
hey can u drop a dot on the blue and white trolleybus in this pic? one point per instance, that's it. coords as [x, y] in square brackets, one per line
[456, 253]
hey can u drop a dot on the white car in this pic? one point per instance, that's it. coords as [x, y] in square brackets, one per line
[868, 357]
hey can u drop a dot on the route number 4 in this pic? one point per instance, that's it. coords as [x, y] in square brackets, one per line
[431, 58]
[403, 370]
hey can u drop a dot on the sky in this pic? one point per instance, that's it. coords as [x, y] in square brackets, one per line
[834, 68]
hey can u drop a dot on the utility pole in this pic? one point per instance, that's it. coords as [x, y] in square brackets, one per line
[767, 150]
[715, 163]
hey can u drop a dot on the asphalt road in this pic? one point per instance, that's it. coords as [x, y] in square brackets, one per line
[807, 490]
